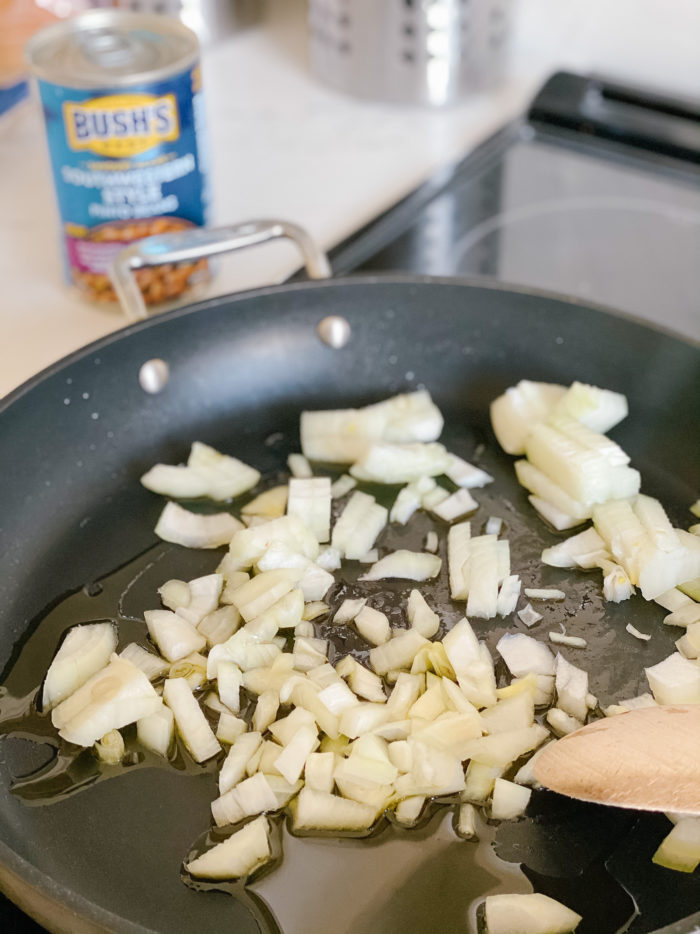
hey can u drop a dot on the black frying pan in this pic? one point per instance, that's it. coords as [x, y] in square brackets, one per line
[73, 443]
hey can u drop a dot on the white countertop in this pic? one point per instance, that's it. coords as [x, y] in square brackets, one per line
[285, 146]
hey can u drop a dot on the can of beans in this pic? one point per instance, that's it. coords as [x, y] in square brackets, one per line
[122, 101]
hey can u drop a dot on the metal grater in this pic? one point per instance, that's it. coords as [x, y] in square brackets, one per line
[409, 51]
[211, 20]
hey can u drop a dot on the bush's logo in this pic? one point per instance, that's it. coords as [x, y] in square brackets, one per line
[121, 124]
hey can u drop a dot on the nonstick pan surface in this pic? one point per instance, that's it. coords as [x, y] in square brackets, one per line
[73, 443]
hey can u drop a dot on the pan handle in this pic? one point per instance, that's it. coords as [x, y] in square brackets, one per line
[198, 243]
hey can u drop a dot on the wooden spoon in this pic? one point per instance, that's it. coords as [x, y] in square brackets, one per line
[647, 759]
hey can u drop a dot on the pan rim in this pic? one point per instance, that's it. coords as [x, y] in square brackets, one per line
[354, 281]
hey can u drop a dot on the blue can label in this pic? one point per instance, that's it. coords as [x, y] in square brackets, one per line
[126, 164]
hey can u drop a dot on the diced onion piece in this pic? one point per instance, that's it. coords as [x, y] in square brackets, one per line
[310, 501]
[194, 530]
[472, 664]
[404, 565]
[173, 635]
[582, 550]
[261, 592]
[220, 625]
[480, 779]
[299, 467]
[431, 542]
[230, 727]
[493, 526]
[401, 463]
[510, 713]
[504, 748]
[420, 616]
[290, 763]
[249, 545]
[318, 771]
[358, 525]
[110, 749]
[528, 615]
[329, 559]
[561, 722]
[313, 610]
[177, 481]
[675, 680]
[458, 544]
[459, 504]
[673, 600]
[239, 755]
[523, 654]
[373, 625]
[509, 800]
[633, 631]
[226, 476]
[342, 486]
[348, 610]
[616, 583]
[153, 666]
[410, 499]
[337, 697]
[369, 557]
[466, 821]
[684, 616]
[680, 850]
[193, 668]
[237, 857]
[571, 685]
[115, 696]
[398, 652]
[508, 595]
[528, 914]
[157, 731]
[519, 409]
[433, 498]
[270, 504]
[526, 773]
[252, 796]
[408, 811]
[317, 810]
[556, 518]
[544, 593]
[466, 475]
[548, 491]
[204, 598]
[191, 723]
[343, 435]
[598, 409]
[364, 683]
[483, 577]
[575, 642]
[84, 651]
[174, 594]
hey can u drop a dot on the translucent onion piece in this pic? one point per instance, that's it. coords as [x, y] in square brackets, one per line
[237, 857]
[250, 797]
[483, 577]
[342, 486]
[680, 850]
[173, 635]
[299, 467]
[194, 530]
[574, 642]
[227, 477]
[509, 800]
[401, 463]
[112, 698]
[523, 654]
[582, 550]
[110, 749]
[546, 593]
[466, 475]
[153, 666]
[571, 685]
[458, 544]
[174, 594]
[373, 625]
[348, 610]
[316, 810]
[358, 526]
[420, 616]
[270, 504]
[675, 680]
[528, 914]
[405, 565]
[233, 769]
[508, 595]
[561, 722]
[84, 650]
[191, 723]
[519, 409]
[529, 616]
[249, 545]
[310, 501]
[157, 731]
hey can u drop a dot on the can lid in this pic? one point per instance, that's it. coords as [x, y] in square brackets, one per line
[107, 48]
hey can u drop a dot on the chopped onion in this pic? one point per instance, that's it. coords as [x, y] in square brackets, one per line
[494, 525]
[343, 435]
[110, 749]
[528, 615]
[329, 559]
[465, 475]
[528, 914]
[597, 409]
[434, 498]
[373, 625]
[675, 680]
[408, 811]
[317, 810]
[411, 498]
[458, 544]
[420, 616]
[519, 409]
[575, 642]
[680, 850]
[153, 666]
[229, 727]
[508, 595]
[401, 463]
[583, 550]
[523, 654]
[193, 668]
[466, 821]
[173, 635]
[561, 722]
[220, 625]
[431, 542]
[299, 467]
[398, 652]
[85, 650]
[260, 593]
[483, 577]
[113, 697]
[546, 593]
[236, 857]
[509, 800]
[633, 631]
[204, 598]
[310, 501]
[270, 504]
[342, 486]
[405, 565]
[504, 748]
[174, 594]
[348, 610]
[571, 684]
[318, 771]
[459, 504]
[191, 723]
[358, 525]
[472, 664]
[250, 797]
[177, 481]
[157, 731]
[249, 545]
[194, 530]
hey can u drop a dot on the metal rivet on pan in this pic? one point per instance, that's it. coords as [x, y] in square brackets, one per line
[334, 331]
[154, 375]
